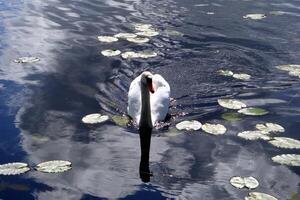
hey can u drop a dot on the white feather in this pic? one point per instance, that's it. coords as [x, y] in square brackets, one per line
[159, 100]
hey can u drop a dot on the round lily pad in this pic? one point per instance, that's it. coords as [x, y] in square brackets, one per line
[173, 33]
[241, 182]
[189, 125]
[54, 166]
[107, 39]
[231, 104]
[142, 27]
[242, 76]
[129, 54]
[94, 118]
[259, 196]
[270, 127]
[225, 72]
[147, 54]
[120, 120]
[215, 129]
[125, 35]
[287, 159]
[27, 60]
[285, 142]
[294, 70]
[253, 135]
[255, 16]
[14, 168]
[110, 52]
[148, 33]
[231, 116]
[138, 40]
[253, 111]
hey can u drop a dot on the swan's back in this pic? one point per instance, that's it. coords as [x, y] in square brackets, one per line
[159, 100]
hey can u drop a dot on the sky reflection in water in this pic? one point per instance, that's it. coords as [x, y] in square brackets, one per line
[50, 97]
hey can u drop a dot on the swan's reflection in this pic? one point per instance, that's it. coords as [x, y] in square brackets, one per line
[145, 141]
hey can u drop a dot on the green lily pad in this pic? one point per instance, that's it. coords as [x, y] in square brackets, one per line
[173, 33]
[173, 132]
[285, 142]
[253, 111]
[120, 120]
[231, 116]
[189, 125]
[270, 127]
[125, 35]
[54, 166]
[110, 52]
[94, 118]
[138, 40]
[253, 135]
[259, 196]
[287, 159]
[214, 129]
[231, 104]
[14, 168]
[241, 182]
[254, 16]
[242, 76]
[148, 33]
[225, 72]
[27, 60]
[107, 39]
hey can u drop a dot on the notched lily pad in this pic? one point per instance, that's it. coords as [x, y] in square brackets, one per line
[270, 127]
[14, 168]
[125, 35]
[253, 135]
[27, 60]
[215, 129]
[255, 16]
[285, 142]
[110, 52]
[231, 116]
[253, 111]
[94, 118]
[241, 182]
[54, 166]
[231, 104]
[242, 76]
[287, 159]
[189, 125]
[107, 39]
[259, 196]
[225, 72]
[138, 40]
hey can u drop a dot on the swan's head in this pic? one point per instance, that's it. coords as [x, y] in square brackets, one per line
[146, 79]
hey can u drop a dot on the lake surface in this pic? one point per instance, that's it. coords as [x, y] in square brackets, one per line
[42, 103]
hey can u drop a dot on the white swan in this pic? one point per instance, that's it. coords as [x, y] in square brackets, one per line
[146, 108]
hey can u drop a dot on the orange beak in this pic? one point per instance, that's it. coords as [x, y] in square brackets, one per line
[150, 85]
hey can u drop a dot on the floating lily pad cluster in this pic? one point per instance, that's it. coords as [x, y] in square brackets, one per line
[293, 70]
[142, 35]
[54, 166]
[97, 118]
[240, 76]
[242, 108]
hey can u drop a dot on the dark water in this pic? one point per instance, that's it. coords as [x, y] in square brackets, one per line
[49, 98]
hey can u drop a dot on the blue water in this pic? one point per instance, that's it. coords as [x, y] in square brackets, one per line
[48, 98]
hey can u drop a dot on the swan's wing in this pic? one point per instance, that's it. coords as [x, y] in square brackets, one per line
[160, 99]
[134, 99]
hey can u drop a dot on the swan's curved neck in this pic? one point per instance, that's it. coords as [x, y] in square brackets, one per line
[145, 120]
